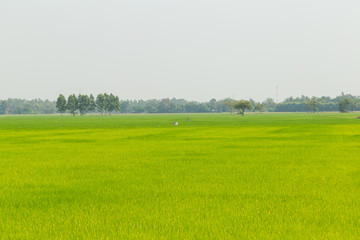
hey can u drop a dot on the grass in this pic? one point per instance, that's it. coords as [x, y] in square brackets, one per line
[218, 176]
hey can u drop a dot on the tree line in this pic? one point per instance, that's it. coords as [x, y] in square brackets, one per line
[342, 103]
[109, 103]
[22, 106]
[104, 103]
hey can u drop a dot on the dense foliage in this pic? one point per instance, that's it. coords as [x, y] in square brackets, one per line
[109, 103]
[22, 106]
[342, 103]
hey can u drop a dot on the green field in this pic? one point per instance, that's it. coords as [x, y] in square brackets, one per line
[218, 176]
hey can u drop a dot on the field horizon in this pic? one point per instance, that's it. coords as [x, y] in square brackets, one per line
[214, 176]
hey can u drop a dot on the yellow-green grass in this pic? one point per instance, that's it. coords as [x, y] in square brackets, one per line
[218, 176]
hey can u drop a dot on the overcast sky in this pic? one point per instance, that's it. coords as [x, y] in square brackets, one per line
[192, 49]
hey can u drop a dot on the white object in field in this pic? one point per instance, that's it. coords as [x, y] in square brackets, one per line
[175, 123]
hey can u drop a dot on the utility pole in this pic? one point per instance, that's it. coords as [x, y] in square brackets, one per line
[277, 94]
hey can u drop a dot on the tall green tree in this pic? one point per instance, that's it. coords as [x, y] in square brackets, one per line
[107, 106]
[270, 104]
[242, 106]
[100, 103]
[72, 104]
[92, 104]
[83, 103]
[61, 104]
[117, 104]
[151, 106]
[112, 103]
[259, 107]
[138, 109]
[230, 103]
[4, 107]
[253, 103]
[344, 105]
[313, 104]
[212, 105]
[125, 106]
[353, 104]
[166, 106]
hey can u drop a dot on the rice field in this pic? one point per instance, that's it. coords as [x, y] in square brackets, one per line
[217, 176]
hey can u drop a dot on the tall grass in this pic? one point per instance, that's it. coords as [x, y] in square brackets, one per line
[218, 176]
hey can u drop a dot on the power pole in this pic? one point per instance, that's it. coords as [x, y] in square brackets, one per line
[277, 94]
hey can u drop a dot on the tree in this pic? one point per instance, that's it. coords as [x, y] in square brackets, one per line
[100, 103]
[107, 106]
[165, 106]
[138, 109]
[253, 103]
[151, 106]
[83, 104]
[116, 103]
[344, 105]
[270, 104]
[3, 107]
[230, 103]
[353, 104]
[125, 106]
[313, 104]
[259, 107]
[212, 104]
[61, 104]
[92, 104]
[112, 103]
[72, 104]
[242, 106]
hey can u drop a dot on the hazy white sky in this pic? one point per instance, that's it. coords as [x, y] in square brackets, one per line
[193, 49]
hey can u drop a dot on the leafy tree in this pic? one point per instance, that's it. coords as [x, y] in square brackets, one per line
[289, 99]
[116, 103]
[353, 104]
[138, 109]
[270, 104]
[112, 103]
[166, 106]
[4, 107]
[125, 106]
[72, 104]
[107, 106]
[22, 106]
[344, 105]
[212, 104]
[100, 103]
[242, 106]
[151, 106]
[83, 104]
[221, 106]
[195, 107]
[230, 103]
[92, 104]
[253, 103]
[313, 104]
[259, 107]
[291, 107]
[61, 104]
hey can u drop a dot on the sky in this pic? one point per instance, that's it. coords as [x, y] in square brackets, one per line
[192, 49]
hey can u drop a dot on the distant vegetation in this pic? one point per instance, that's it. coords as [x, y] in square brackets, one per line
[109, 103]
[22, 106]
